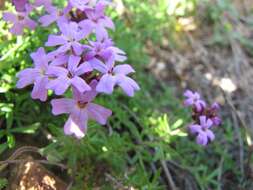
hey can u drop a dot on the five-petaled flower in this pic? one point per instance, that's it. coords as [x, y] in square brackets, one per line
[202, 130]
[36, 75]
[80, 110]
[64, 77]
[115, 76]
[69, 40]
[20, 20]
[193, 98]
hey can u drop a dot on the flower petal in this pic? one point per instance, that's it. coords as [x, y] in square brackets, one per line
[202, 139]
[62, 105]
[73, 63]
[98, 65]
[106, 84]
[27, 77]
[39, 90]
[80, 84]
[71, 127]
[128, 85]
[98, 113]
[124, 69]
[54, 40]
[194, 128]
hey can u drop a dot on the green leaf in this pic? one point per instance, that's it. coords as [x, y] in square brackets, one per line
[3, 147]
[10, 141]
[26, 130]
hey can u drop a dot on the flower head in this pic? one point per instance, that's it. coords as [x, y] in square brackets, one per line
[20, 20]
[64, 77]
[36, 75]
[193, 99]
[69, 40]
[202, 130]
[97, 20]
[115, 76]
[80, 110]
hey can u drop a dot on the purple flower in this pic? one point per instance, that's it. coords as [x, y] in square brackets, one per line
[53, 16]
[69, 40]
[36, 75]
[70, 76]
[97, 20]
[115, 76]
[106, 50]
[193, 98]
[202, 130]
[20, 21]
[80, 110]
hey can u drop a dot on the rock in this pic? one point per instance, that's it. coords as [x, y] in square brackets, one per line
[30, 175]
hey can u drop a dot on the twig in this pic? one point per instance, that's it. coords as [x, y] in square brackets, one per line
[115, 181]
[220, 173]
[168, 175]
[36, 161]
[18, 152]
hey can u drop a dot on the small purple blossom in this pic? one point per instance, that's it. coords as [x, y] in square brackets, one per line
[97, 20]
[53, 15]
[20, 21]
[80, 110]
[115, 76]
[106, 50]
[36, 75]
[202, 130]
[69, 76]
[193, 99]
[69, 40]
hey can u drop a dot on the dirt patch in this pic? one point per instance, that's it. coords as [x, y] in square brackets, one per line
[30, 175]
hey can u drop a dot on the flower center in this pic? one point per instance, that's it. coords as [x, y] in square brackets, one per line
[82, 104]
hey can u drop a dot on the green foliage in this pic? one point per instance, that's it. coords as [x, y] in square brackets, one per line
[3, 183]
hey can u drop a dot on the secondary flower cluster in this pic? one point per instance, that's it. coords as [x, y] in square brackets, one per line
[83, 61]
[204, 117]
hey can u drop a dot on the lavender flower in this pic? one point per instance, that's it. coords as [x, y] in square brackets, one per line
[115, 76]
[69, 40]
[36, 75]
[53, 16]
[80, 110]
[20, 21]
[213, 114]
[193, 98]
[202, 130]
[106, 50]
[97, 20]
[70, 76]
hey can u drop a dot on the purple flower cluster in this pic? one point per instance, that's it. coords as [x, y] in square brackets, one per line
[78, 64]
[204, 117]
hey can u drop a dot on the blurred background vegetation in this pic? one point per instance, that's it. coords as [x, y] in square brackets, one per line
[205, 45]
